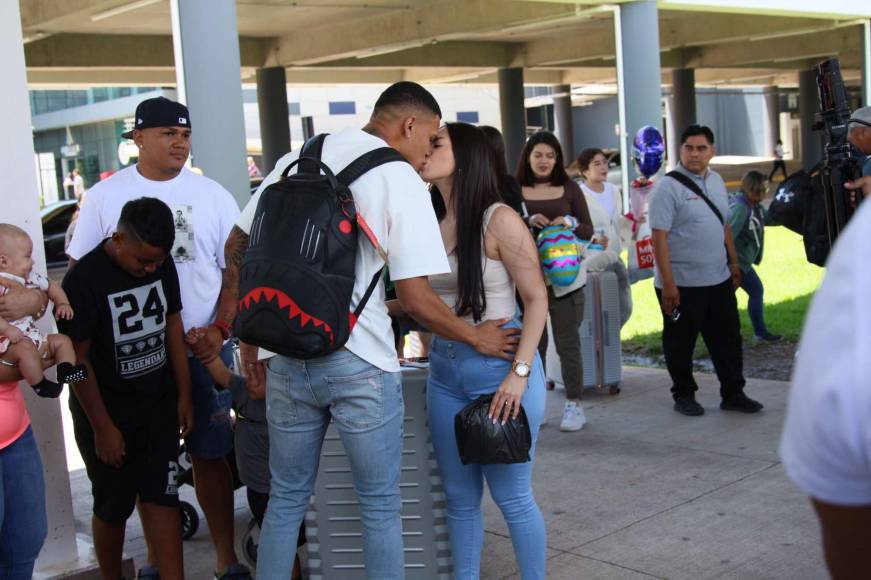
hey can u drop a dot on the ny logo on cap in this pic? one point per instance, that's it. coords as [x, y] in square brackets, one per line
[182, 121]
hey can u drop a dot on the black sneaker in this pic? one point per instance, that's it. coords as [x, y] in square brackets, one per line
[768, 337]
[741, 403]
[688, 406]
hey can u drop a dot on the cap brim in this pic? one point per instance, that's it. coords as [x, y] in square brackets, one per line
[128, 134]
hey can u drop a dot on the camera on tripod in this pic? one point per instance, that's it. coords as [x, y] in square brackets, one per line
[839, 158]
[814, 202]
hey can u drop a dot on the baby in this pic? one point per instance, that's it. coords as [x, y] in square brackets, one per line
[22, 345]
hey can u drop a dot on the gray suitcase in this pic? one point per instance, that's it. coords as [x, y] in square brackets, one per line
[333, 529]
[601, 351]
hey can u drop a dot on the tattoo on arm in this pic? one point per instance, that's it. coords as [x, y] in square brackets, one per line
[234, 251]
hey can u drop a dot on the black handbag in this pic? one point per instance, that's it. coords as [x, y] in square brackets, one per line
[481, 441]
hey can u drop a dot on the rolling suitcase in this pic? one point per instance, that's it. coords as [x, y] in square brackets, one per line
[601, 352]
[600, 332]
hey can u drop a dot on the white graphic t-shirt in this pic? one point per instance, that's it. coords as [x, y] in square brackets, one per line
[203, 214]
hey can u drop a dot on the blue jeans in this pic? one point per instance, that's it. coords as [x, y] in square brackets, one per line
[752, 285]
[367, 407]
[458, 375]
[23, 523]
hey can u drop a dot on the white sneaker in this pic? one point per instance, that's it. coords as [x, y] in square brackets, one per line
[573, 417]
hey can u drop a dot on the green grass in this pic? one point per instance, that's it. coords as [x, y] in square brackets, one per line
[789, 281]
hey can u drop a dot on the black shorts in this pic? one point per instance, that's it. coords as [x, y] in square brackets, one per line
[150, 467]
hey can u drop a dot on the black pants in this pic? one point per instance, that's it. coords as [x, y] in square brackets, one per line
[778, 164]
[713, 311]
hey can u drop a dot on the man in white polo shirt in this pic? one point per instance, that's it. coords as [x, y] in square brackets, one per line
[204, 213]
[359, 386]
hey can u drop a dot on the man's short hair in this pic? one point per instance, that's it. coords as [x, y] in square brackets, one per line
[694, 130]
[148, 220]
[407, 94]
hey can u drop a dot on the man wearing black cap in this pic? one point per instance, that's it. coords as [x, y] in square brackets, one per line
[204, 214]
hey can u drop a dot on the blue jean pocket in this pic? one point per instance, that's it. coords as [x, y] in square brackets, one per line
[358, 400]
[280, 405]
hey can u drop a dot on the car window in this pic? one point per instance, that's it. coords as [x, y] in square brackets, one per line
[58, 221]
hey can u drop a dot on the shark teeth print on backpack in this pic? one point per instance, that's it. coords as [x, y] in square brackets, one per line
[297, 277]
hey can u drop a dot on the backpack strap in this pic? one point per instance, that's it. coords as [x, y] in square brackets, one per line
[311, 150]
[368, 294]
[349, 175]
[367, 161]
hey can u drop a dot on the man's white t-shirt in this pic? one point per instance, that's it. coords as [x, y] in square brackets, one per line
[826, 445]
[203, 214]
[397, 206]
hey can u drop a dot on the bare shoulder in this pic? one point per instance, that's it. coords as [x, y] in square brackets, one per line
[506, 233]
[505, 221]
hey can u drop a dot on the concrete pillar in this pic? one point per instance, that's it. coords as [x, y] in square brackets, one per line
[808, 107]
[865, 50]
[272, 106]
[639, 89]
[21, 207]
[683, 107]
[206, 43]
[513, 113]
[562, 118]
[772, 118]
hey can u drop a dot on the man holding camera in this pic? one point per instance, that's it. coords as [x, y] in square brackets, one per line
[859, 135]
[697, 274]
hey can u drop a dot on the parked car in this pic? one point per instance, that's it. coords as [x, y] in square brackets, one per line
[615, 170]
[56, 218]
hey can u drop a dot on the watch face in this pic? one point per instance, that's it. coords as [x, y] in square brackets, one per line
[521, 369]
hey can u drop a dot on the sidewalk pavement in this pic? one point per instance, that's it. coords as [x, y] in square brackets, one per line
[640, 492]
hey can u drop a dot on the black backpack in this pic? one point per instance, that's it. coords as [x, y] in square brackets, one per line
[790, 203]
[297, 277]
[800, 205]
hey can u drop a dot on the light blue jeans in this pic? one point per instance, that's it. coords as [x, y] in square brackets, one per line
[367, 407]
[22, 507]
[457, 376]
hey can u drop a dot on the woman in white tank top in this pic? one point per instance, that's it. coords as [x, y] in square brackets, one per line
[491, 252]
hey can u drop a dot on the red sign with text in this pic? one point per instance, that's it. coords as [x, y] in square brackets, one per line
[644, 253]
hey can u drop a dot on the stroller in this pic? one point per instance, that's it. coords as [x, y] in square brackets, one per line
[190, 518]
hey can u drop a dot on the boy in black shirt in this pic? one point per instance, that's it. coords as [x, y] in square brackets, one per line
[130, 412]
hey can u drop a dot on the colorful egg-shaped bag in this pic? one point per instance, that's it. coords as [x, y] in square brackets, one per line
[559, 254]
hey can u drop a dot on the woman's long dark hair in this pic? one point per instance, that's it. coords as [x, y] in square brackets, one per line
[497, 146]
[524, 171]
[474, 190]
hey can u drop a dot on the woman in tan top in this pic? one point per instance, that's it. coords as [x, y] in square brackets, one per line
[551, 199]
[490, 252]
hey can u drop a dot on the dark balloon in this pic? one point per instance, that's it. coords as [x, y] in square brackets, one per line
[648, 150]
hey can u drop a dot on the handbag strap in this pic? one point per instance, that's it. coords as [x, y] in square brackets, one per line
[692, 186]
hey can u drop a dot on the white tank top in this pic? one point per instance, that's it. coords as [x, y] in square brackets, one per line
[498, 285]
